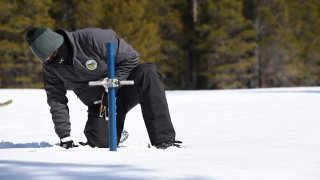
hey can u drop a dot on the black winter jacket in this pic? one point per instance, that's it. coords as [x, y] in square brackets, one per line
[88, 55]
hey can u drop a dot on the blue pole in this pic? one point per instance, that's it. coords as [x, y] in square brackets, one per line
[111, 99]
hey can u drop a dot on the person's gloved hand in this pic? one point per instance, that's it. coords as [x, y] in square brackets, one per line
[67, 142]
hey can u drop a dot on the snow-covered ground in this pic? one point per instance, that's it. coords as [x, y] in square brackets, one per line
[260, 134]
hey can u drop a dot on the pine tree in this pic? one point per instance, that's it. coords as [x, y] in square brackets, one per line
[227, 45]
[18, 67]
[173, 58]
[304, 21]
[74, 14]
[278, 47]
[128, 19]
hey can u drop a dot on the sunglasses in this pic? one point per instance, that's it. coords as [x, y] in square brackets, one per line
[51, 58]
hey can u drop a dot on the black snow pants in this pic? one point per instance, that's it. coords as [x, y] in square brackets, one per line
[147, 90]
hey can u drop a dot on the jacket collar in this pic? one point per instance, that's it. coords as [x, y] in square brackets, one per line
[68, 37]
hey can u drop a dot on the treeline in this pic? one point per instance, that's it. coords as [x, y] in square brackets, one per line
[198, 44]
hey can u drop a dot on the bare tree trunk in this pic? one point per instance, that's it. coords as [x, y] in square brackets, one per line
[195, 11]
[258, 54]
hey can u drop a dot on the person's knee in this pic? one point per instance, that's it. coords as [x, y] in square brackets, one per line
[148, 67]
[97, 132]
[145, 72]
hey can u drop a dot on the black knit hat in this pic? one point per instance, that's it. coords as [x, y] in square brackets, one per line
[43, 42]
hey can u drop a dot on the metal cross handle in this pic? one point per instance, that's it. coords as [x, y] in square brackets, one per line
[108, 83]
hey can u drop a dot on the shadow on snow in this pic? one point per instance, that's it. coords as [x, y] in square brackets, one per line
[7, 145]
[24, 170]
[41, 170]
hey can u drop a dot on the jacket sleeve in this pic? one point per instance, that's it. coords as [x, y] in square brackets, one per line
[57, 100]
[129, 61]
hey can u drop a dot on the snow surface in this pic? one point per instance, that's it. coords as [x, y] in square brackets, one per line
[263, 134]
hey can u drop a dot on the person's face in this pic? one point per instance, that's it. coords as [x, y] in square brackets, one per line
[51, 58]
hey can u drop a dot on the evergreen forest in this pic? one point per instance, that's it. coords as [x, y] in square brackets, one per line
[197, 44]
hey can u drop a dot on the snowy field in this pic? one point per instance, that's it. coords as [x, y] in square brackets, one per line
[265, 134]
